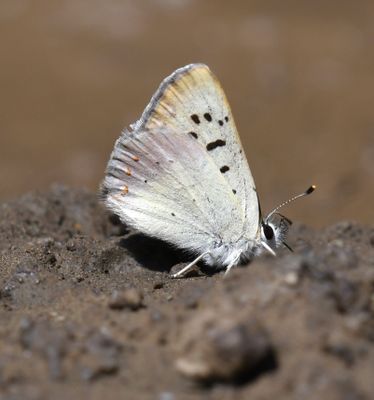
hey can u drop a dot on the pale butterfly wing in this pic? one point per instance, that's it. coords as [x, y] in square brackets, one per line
[155, 185]
[192, 100]
[184, 157]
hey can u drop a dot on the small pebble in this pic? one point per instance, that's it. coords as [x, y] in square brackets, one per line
[70, 245]
[292, 279]
[130, 298]
[158, 285]
[221, 349]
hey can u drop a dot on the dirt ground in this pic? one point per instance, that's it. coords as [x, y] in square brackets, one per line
[88, 310]
[298, 76]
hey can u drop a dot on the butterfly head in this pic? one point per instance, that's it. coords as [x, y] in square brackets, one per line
[274, 226]
[274, 230]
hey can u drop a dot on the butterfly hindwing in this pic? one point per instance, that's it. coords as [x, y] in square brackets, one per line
[178, 196]
[181, 173]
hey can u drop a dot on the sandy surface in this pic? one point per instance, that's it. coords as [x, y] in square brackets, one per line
[87, 308]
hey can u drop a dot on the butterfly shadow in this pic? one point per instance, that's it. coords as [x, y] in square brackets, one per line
[153, 254]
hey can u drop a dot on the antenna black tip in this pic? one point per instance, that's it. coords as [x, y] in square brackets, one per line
[311, 189]
[308, 191]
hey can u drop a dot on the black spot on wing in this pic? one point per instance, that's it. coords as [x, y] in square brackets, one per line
[195, 118]
[220, 122]
[217, 143]
[224, 169]
[227, 118]
[234, 191]
[193, 134]
[208, 117]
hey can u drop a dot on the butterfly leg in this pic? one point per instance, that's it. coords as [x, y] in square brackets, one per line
[233, 262]
[268, 248]
[189, 266]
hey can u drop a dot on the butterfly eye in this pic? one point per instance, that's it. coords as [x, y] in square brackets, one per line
[268, 231]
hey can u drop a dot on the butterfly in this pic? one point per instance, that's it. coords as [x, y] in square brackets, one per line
[180, 174]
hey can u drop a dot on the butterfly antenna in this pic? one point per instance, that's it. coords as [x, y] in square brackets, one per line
[288, 246]
[306, 193]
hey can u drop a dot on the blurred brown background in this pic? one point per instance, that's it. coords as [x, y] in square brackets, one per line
[299, 76]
